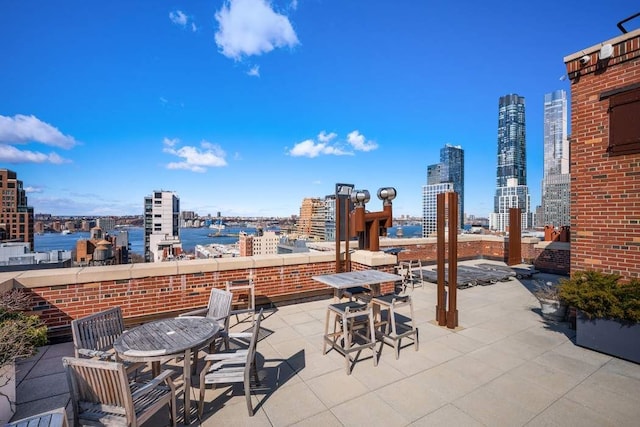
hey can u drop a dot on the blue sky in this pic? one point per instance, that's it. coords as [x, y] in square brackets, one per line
[248, 106]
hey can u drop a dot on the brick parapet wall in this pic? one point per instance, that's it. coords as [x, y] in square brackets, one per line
[552, 257]
[605, 190]
[165, 289]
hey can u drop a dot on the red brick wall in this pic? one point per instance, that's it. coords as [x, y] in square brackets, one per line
[58, 305]
[169, 294]
[552, 257]
[605, 191]
[426, 252]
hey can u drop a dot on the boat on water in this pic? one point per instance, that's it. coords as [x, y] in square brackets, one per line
[218, 234]
[67, 232]
[217, 225]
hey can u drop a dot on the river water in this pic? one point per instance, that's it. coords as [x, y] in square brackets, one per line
[190, 238]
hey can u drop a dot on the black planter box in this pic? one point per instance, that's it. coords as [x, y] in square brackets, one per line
[609, 336]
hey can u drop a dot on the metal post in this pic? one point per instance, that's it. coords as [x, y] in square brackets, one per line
[515, 236]
[452, 313]
[441, 314]
[347, 236]
[343, 191]
[338, 230]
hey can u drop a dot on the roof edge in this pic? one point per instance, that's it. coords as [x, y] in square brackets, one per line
[616, 40]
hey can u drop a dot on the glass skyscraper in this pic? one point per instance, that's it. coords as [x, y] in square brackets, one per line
[512, 153]
[452, 161]
[512, 164]
[556, 143]
[446, 176]
[556, 178]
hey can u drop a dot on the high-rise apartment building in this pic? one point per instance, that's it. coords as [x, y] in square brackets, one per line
[434, 174]
[430, 205]
[262, 243]
[556, 179]
[511, 173]
[16, 217]
[106, 223]
[161, 226]
[452, 161]
[448, 175]
[313, 218]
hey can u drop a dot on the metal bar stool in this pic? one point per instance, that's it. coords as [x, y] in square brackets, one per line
[353, 331]
[394, 331]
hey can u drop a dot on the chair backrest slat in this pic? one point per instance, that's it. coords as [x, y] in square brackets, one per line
[97, 331]
[219, 303]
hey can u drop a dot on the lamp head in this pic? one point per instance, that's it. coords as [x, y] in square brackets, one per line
[360, 197]
[387, 194]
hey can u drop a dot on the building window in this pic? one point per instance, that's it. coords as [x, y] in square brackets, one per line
[624, 126]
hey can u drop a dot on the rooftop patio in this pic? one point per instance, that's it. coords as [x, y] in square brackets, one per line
[504, 365]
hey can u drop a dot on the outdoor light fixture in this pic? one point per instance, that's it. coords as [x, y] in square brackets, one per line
[386, 194]
[360, 197]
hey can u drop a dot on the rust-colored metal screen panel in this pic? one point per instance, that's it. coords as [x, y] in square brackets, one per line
[452, 310]
[441, 307]
[624, 125]
[515, 236]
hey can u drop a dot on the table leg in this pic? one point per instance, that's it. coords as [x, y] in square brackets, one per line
[187, 386]
[155, 368]
[375, 290]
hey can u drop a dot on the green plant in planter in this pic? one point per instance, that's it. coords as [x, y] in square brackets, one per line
[20, 333]
[601, 295]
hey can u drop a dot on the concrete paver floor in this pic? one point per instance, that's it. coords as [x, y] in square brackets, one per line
[504, 365]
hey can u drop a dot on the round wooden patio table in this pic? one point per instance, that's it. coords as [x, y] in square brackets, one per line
[165, 339]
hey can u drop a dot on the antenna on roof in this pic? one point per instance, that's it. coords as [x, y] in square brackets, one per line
[624, 31]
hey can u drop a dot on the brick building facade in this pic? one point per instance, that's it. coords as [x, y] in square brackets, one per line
[605, 156]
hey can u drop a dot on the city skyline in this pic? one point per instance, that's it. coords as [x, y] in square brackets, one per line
[247, 107]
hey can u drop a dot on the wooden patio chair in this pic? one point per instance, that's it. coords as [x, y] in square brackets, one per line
[233, 366]
[102, 394]
[54, 418]
[244, 286]
[412, 273]
[219, 309]
[94, 335]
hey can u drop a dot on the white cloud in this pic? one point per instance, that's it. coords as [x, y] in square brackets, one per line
[195, 159]
[179, 18]
[252, 27]
[168, 142]
[254, 71]
[327, 144]
[311, 148]
[10, 154]
[21, 129]
[294, 4]
[31, 189]
[359, 142]
[326, 137]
